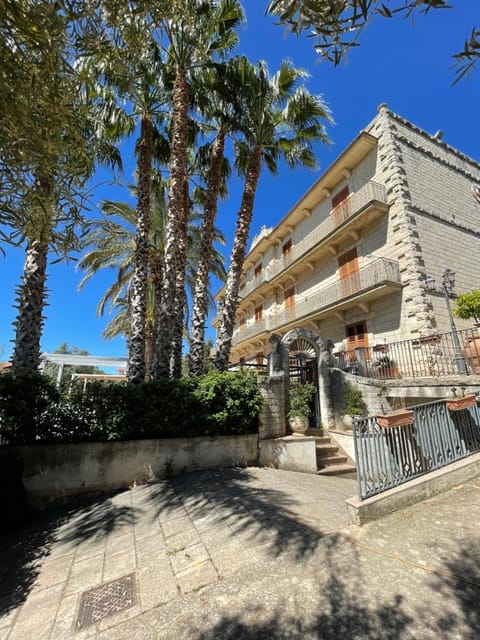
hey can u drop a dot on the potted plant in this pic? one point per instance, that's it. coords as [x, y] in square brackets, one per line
[300, 397]
[353, 405]
[387, 367]
[467, 306]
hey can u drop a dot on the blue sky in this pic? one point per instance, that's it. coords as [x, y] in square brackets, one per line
[408, 68]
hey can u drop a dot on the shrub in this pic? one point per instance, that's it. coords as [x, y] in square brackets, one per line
[353, 402]
[31, 409]
[25, 403]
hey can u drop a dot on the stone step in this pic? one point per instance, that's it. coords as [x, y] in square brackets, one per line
[330, 460]
[326, 449]
[322, 440]
[337, 470]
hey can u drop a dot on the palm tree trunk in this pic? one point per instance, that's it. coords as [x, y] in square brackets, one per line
[178, 326]
[156, 270]
[202, 281]
[177, 217]
[232, 286]
[149, 338]
[136, 343]
[30, 302]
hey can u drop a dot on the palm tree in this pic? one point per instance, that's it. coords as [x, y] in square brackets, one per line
[129, 71]
[197, 32]
[110, 244]
[47, 154]
[219, 111]
[280, 120]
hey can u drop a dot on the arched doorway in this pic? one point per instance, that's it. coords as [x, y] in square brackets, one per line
[300, 348]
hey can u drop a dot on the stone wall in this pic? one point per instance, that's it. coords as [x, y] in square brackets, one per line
[54, 471]
[273, 421]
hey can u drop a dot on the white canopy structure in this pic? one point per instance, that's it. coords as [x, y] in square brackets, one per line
[62, 359]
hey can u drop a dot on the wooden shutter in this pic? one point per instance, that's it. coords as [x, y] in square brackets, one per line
[357, 336]
[341, 206]
[257, 271]
[348, 273]
[258, 313]
[289, 298]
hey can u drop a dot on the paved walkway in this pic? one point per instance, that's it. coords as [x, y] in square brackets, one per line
[243, 554]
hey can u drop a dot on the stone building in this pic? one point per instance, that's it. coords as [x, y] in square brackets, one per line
[351, 260]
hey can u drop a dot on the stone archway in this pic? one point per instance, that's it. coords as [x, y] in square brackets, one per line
[310, 351]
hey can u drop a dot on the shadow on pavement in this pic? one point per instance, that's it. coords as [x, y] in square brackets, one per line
[24, 550]
[231, 498]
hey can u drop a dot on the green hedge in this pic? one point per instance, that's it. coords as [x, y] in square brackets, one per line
[32, 411]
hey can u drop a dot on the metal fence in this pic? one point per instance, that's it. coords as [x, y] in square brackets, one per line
[388, 457]
[441, 354]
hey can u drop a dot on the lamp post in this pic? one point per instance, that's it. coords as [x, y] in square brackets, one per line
[448, 283]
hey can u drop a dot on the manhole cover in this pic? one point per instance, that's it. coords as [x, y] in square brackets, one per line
[105, 600]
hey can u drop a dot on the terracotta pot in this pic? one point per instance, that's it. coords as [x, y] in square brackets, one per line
[395, 418]
[457, 404]
[471, 353]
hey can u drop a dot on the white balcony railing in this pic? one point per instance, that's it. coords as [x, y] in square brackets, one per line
[381, 271]
[369, 193]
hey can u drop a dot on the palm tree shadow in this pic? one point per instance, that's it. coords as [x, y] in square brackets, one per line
[460, 587]
[231, 498]
[24, 550]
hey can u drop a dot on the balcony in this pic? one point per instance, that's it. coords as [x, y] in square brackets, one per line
[371, 197]
[374, 280]
[251, 331]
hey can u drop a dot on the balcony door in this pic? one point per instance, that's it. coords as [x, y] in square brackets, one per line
[348, 273]
[341, 206]
[357, 336]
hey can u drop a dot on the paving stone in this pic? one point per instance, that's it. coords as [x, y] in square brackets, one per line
[84, 580]
[68, 607]
[156, 587]
[173, 527]
[119, 565]
[191, 556]
[40, 608]
[181, 540]
[64, 630]
[86, 564]
[34, 631]
[119, 544]
[53, 572]
[196, 577]
[4, 631]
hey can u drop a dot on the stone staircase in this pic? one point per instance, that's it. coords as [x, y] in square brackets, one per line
[331, 458]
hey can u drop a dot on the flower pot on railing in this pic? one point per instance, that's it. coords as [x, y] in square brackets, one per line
[395, 418]
[380, 348]
[464, 402]
[471, 353]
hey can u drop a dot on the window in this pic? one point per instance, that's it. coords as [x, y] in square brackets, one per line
[258, 313]
[243, 324]
[258, 270]
[287, 248]
[341, 206]
[260, 358]
[289, 297]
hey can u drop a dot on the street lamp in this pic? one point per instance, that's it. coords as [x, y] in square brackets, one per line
[448, 283]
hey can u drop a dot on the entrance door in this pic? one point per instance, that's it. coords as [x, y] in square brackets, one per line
[303, 368]
[340, 206]
[348, 273]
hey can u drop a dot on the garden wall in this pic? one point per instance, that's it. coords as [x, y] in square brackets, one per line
[57, 470]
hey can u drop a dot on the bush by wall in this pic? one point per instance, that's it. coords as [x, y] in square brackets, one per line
[32, 411]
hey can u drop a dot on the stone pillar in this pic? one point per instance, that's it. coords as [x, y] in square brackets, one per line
[324, 391]
[361, 354]
[273, 423]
